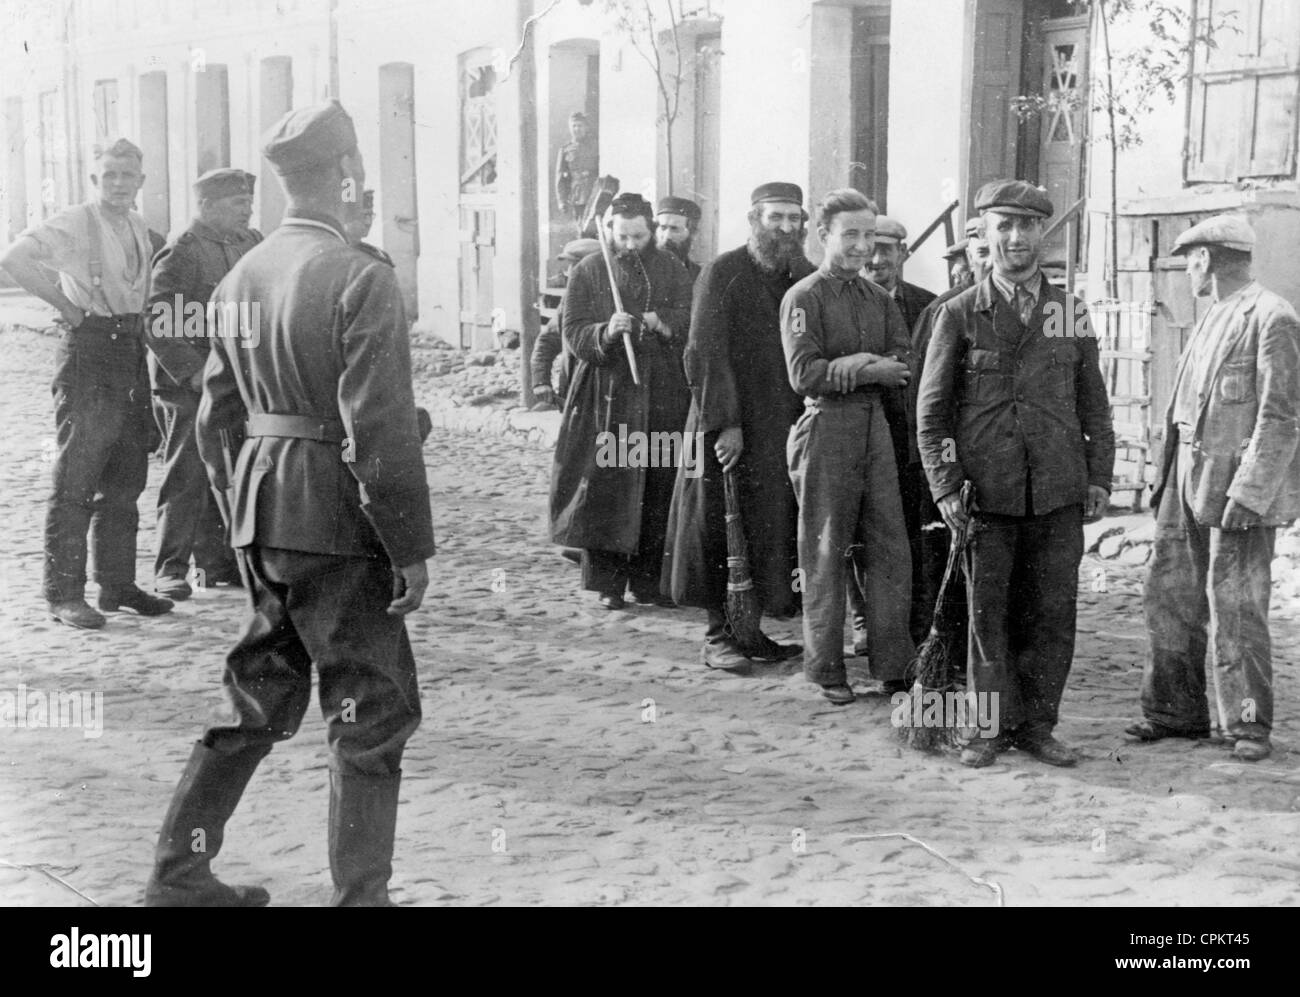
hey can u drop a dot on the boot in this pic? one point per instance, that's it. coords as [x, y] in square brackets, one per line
[208, 793]
[363, 823]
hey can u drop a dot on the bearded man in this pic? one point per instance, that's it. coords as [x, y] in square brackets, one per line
[616, 510]
[741, 400]
[676, 222]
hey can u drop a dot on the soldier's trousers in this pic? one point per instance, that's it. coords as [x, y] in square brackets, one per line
[330, 610]
[1022, 577]
[189, 521]
[844, 476]
[101, 417]
[1207, 589]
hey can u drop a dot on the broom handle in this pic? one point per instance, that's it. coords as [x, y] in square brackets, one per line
[618, 301]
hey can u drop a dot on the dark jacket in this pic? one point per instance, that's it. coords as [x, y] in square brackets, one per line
[332, 344]
[911, 301]
[1246, 444]
[900, 403]
[594, 507]
[189, 269]
[737, 373]
[1015, 403]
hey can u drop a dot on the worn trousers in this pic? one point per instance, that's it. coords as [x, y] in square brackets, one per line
[330, 610]
[842, 468]
[1207, 589]
[101, 418]
[189, 521]
[1022, 577]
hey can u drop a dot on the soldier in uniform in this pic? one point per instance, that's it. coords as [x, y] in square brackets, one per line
[1229, 477]
[91, 262]
[329, 511]
[576, 167]
[184, 276]
[1012, 399]
[676, 220]
[359, 225]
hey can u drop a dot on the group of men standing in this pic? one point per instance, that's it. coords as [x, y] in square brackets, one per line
[867, 422]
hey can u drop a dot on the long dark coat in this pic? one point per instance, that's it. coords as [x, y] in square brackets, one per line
[594, 507]
[737, 372]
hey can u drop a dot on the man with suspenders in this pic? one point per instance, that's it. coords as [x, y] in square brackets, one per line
[91, 262]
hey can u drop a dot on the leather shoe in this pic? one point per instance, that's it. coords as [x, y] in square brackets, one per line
[171, 587]
[840, 695]
[772, 651]
[612, 601]
[891, 686]
[133, 598]
[571, 554]
[1250, 750]
[1153, 730]
[655, 599]
[724, 656]
[1048, 749]
[980, 752]
[75, 613]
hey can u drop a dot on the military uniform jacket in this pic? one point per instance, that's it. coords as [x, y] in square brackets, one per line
[332, 346]
[1246, 441]
[189, 269]
[576, 167]
[1007, 405]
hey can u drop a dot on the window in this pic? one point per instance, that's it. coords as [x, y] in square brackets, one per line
[478, 117]
[1245, 94]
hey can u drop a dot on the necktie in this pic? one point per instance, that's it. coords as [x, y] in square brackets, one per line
[1024, 304]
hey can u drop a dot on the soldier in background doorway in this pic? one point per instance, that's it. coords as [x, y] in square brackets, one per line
[576, 167]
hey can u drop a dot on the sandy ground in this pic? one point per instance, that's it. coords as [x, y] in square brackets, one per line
[574, 756]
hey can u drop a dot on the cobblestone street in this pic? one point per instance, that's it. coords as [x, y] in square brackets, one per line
[570, 755]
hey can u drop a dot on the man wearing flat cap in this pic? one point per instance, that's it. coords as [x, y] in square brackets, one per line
[91, 263]
[550, 344]
[576, 167]
[1012, 400]
[741, 400]
[676, 221]
[1229, 477]
[609, 498]
[329, 509]
[184, 276]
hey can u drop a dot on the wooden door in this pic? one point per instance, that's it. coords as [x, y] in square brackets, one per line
[1063, 135]
[869, 104]
[991, 127]
[477, 259]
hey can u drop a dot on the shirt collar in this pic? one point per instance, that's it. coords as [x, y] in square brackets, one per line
[1239, 293]
[841, 283]
[314, 219]
[1007, 288]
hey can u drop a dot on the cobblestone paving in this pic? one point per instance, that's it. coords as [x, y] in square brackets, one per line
[577, 756]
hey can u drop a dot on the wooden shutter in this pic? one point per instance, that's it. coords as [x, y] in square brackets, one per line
[995, 79]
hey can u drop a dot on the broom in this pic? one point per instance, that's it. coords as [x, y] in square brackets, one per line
[933, 667]
[743, 610]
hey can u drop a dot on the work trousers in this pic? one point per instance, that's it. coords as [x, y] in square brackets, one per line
[912, 492]
[101, 418]
[611, 573]
[842, 468]
[1022, 582]
[331, 610]
[1207, 589]
[189, 521]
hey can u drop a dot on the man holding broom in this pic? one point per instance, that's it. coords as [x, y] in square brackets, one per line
[743, 404]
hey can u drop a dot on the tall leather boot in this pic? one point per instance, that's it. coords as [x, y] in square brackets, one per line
[208, 793]
[363, 823]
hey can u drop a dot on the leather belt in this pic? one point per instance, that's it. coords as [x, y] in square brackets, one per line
[323, 429]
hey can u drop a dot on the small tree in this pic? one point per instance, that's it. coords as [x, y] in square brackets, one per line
[653, 29]
[1134, 81]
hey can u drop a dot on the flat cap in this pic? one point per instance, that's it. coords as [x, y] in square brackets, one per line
[224, 182]
[889, 229]
[777, 191]
[974, 227]
[957, 251]
[1229, 231]
[678, 206]
[577, 116]
[579, 249]
[1013, 197]
[309, 137]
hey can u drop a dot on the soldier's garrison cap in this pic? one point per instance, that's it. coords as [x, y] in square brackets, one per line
[777, 191]
[224, 182]
[120, 148]
[1229, 231]
[678, 206]
[1014, 197]
[309, 137]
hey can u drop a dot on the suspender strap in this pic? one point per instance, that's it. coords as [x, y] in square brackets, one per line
[296, 427]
